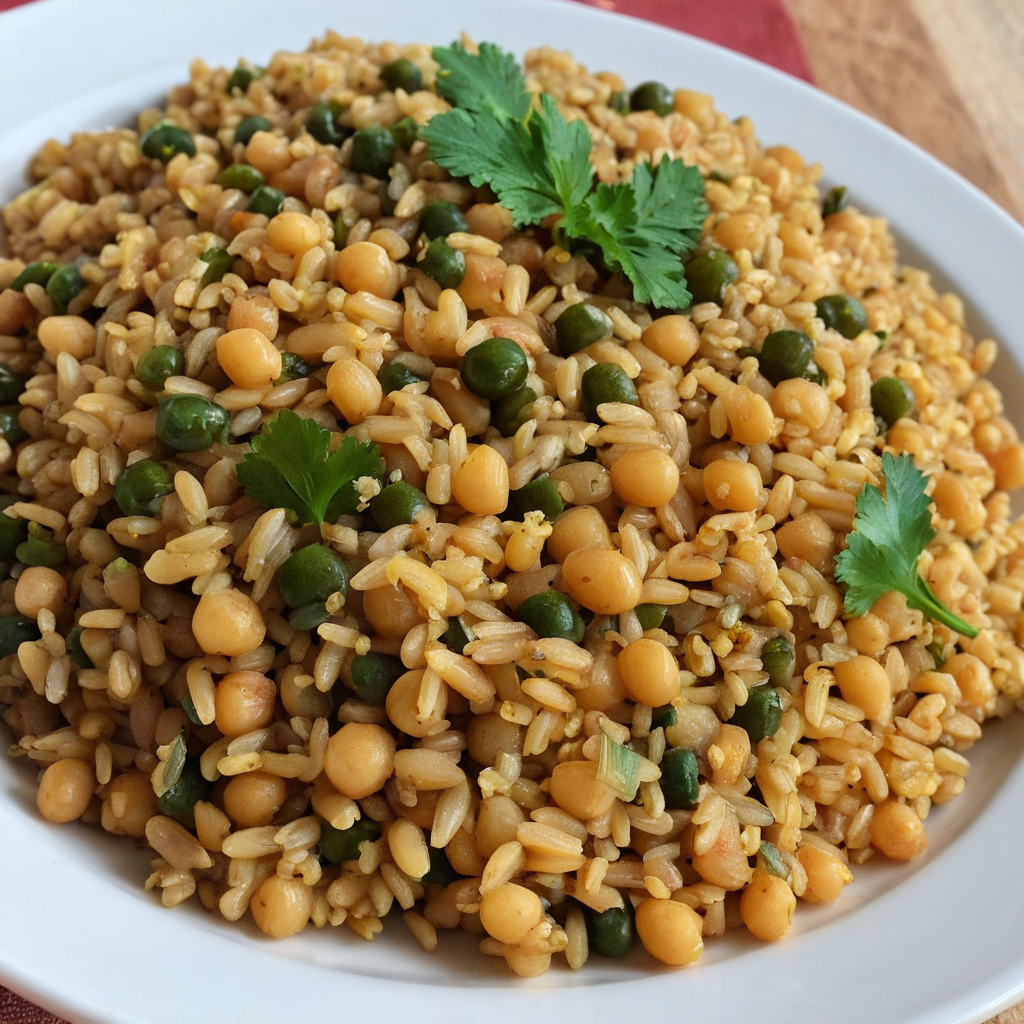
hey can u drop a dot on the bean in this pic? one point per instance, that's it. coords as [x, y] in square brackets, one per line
[40, 548]
[827, 874]
[604, 581]
[808, 537]
[130, 802]
[241, 78]
[835, 201]
[366, 267]
[293, 233]
[311, 575]
[391, 611]
[360, 759]
[66, 789]
[581, 325]
[228, 622]
[842, 313]
[374, 674]
[34, 273]
[800, 401]
[402, 74]
[864, 683]
[64, 284]
[443, 264]
[255, 311]
[481, 484]
[539, 495]
[142, 487]
[645, 476]
[649, 671]
[39, 587]
[897, 831]
[14, 631]
[398, 503]
[670, 932]
[576, 529]
[373, 151]
[610, 933]
[11, 385]
[778, 659]
[891, 399]
[405, 131]
[281, 906]
[497, 820]
[509, 912]
[249, 126]
[219, 261]
[489, 735]
[575, 787]
[244, 177]
[732, 485]
[190, 423]
[651, 96]
[353, 389]
[323, 123]
[785, 354]
[179, 802]
[266, 200]
[338, 845]
[494, 368]
[767, 906]
[510, 412]
[164, 141]
[606, 382]
[673, 337]
[395, 376]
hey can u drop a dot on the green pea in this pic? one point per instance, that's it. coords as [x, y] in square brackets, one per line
[73, 645]
[374, 674]
[785, 354]
[190, 423]
[405, 132]
[610, 932]
[219, 261]
[341, 230]
[292, 368]
[11, 385]
[650, 616]
[494, 368]
[508, 413]
[34, 273]
[936, 650]
[39, 548]
[387, 204]
[179, 802]
[187, 705]
[835, 201]
[761, 715]
[891, 399]
[396, 375]
[651, 96]
[164, 141]
[447, 266]
[552, 613]
[402, 74]
[441, 218]
[322, 123]
[11, 429]
[397, 503]
[719, 176]
[159, 363]
[311, 574]
[266, 200]
[373, 151]
[455, 636]
[242, 77]
[65, 283]
[664, 716]
[581, 325]
[709, 274]
[142, 487]
[539, 495]
[778, 659]
[606, 382]
[12, 531]
[338, 845]
[244, 177]
[249, 126]
[619, 101]
[16, 630]
[842, 313]
[680, 777]
[441, 871]
[309, 616]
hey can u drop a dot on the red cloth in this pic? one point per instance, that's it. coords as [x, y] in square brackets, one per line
[761, 29]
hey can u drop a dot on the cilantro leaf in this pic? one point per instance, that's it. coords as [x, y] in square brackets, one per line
[489, 82]
[290, 465]
[889, 534]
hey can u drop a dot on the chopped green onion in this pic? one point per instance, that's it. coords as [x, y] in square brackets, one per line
[769, 855]
[624, 769]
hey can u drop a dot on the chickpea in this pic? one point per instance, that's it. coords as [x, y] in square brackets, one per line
[674, 338]
[293, 233]
[490, 220]
[268, 153]
[360, 759]
[464, 856]
[741, 231]
[489, 735]
[725, 864]
[767, 906]
[255, 311]
[253, 799]
[481, 484]
[1008, 464]
[366, 267]
[401, 706]
[604, 581]
[577, 528]
[645, 476]
[864, 683]
[606, 689]
[391, 611]
[354, 389]
[973, 677]
[827, 874]
[243, 702]
[39, 588]
[751, 420]
[498, 817]
[955, 499]
[65, 789]
[130, 802]
[509, 912]
[868, 634]
[575, 787]
[650, 672]
[71, 334]
[670, 931]
[732, 486]
[897, 831]
[801, 401]
[809, 537]
[481, 284]
[281, 906]
[249, 358]
[228, 622]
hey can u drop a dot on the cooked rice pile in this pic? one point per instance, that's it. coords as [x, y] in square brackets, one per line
[479, 734]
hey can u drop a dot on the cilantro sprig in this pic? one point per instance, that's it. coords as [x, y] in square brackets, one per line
[538, 165]
[290, 465]
[889, 534]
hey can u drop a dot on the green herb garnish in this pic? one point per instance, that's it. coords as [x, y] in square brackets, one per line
[290, 465]
[889, 534]
[538, 165]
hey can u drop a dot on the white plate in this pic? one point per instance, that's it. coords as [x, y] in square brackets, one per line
[936, 942]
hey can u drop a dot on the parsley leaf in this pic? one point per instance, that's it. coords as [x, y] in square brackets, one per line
[489, 82]
[889, 534]
[290, 465]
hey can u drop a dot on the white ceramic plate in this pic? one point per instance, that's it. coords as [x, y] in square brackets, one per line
[936, 942]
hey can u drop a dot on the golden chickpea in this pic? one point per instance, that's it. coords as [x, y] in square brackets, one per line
[65, 789]
[243, 702]
[228, 622]
[674, 338]
[577, 528]
[252, 799]
[39, 588]
[809, 537]
[281, 906]
[801, 401]
[604, 581]
[864, 683]
[255, 311]
[302, 701]
[268, 153]
[741, 231]
[649, 671]
[354, 389]
[71, 334]
[481, 284]
[955, 499]
[464, 856]
[510, 912]
[868, 634]
[249, 358]
[732, 486]
[751, 420]
[360, 759]
[293, 232]
[827, 874]
[130, 802]
[973, 677]
[498, 817]
[403, 710]
[645, 476]
[897, 831]
[575, 787]
[767, 906]
[1008, 464]
[366, 267]
[490, 220]
[481, 484]
[605, 690]
[489, 735]
[391, 611]
[725, 864]
[670, 931]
